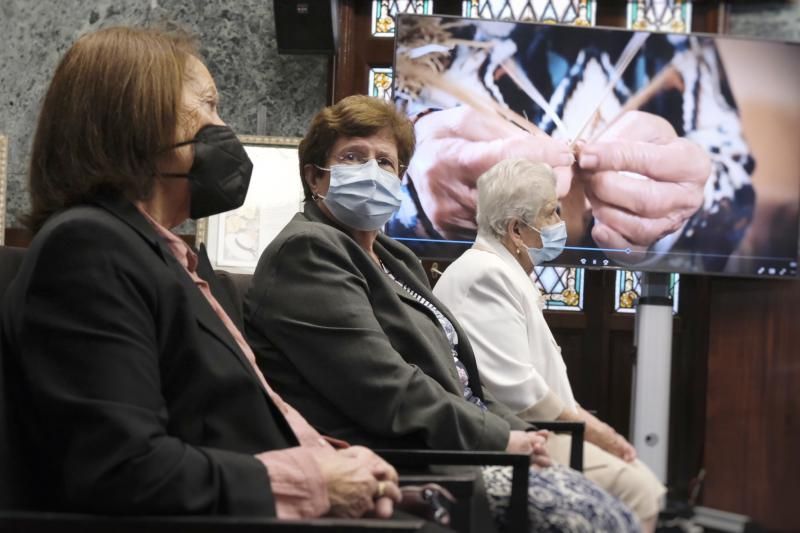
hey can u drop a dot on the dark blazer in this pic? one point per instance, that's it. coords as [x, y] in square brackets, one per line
[132, 396]
[357, 356]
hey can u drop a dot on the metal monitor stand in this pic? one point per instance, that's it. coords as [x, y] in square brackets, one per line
[652, 373]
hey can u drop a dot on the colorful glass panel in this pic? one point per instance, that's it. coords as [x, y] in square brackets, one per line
[561, 287]
[578, 12]
[660, 15]
[380, 83]
[384, 12]
[628, 288]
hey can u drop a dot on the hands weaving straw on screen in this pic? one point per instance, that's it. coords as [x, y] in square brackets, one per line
[641, 180]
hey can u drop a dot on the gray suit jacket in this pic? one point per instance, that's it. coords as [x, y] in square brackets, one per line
[358, 357]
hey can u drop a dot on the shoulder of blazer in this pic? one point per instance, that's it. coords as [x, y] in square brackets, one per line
[293, 242]
[481, 266]
[301, 227]
[398, 249]
[479, 273]
[106, 214]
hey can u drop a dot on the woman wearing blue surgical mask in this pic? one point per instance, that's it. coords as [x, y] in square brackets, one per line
[491, 293]
[345, 323]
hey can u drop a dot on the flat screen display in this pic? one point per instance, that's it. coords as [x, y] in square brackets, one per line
[687, 146]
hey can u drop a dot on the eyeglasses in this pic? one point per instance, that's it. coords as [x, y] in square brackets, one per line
[357, 157]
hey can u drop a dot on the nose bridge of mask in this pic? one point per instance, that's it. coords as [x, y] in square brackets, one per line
[555, 231]
[373, 182]
[206, 133]
[363, 196]
[354, 182]
[550, 230]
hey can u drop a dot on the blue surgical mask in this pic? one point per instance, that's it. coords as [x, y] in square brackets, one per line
[363, 197]
[554, 237]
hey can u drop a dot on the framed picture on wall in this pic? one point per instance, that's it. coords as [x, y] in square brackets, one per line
[3, 185]
[235, 239]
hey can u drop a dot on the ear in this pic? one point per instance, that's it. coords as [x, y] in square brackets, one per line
[513, 230]
[311, 176]
[513, 235]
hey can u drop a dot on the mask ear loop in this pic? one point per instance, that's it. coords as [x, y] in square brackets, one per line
[177, 145]
[182, 143]
[532, 227]
[315, 196]
[517, 247]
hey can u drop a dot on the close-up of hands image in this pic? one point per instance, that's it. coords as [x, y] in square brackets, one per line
[641, 181]
[640, 129]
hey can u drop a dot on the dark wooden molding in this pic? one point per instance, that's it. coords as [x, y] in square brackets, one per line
[752, 412]
[19, 237]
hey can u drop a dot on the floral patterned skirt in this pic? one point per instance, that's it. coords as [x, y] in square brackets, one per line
[559, 499]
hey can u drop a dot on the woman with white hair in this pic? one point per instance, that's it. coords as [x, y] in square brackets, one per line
[490, 291]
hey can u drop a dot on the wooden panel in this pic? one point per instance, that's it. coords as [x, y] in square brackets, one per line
[688, 387]
[752, 445]
[611, 13]
[19, 237]
[571, 342]
[349, 53]
[620, 375]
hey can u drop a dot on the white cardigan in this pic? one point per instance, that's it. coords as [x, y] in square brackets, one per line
[499, 306]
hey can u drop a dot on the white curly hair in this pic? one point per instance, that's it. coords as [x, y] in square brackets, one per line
[512, 189]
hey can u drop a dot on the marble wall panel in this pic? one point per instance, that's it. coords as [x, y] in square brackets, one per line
[237, 41]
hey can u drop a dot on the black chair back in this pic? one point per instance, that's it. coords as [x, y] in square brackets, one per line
[234, 286]
[15, 492]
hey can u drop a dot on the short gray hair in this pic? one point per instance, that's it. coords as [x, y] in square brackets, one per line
[512, 189]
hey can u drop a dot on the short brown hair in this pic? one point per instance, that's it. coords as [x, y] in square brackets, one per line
[354, 116]
[111, 108]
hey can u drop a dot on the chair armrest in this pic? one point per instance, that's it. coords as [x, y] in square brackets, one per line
[576, 430]
[459, 485]
[30, 522]
[520, 465]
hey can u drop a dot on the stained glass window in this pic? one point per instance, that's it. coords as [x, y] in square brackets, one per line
[562, 287]
[578, 12]
[384, 11]
[660, 15]
[380, 83]
[629, 287]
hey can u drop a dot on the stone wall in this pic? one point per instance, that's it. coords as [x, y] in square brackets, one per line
[769, 20]
[238, 44]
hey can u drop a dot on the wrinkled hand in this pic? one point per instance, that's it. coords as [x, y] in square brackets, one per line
[623, 449]
[354, 477]
[616, 444]
[531, 443]
[666, 187]
[455, 146]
